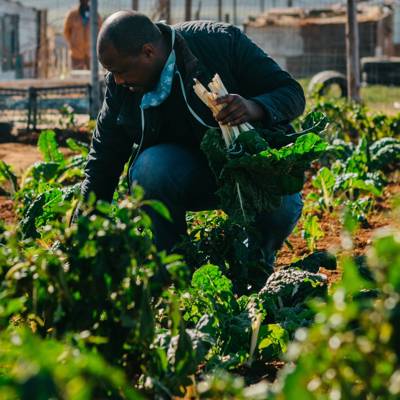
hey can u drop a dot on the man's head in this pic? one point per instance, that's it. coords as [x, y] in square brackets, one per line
[132, 48]
[84, 3]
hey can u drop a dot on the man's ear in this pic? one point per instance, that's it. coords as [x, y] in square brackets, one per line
[149, 51]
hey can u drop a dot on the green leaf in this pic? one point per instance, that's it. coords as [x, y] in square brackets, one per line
[312, 231]
[315, 121]
[48, 146]
[273, 340]
[160, 208]
[210, 280]
[45, 170]
[352, 281]
[366, 186]
[185, 360]
[7, 174]
[324, 179]
[78, 147]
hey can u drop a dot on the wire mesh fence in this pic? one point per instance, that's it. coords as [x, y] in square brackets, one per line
[234, 11]
[303, 36]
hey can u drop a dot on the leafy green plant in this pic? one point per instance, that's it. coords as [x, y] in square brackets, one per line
[46, 185]
[352, 349]
[8, 178]
[284, 169]
[252, 328]
[32, 368]
[67, 117]
[324, 198]
[97, 281]
[215, 239]
[312, 231]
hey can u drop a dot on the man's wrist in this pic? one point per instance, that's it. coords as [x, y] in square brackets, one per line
[257, 111]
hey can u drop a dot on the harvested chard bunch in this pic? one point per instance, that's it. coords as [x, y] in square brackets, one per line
[252, 175]
[229, 133]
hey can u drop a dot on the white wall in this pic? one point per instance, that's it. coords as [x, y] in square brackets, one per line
[279, 42]
[27, 31]
[396, 23]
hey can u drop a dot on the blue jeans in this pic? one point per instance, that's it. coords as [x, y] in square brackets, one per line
[181, 178]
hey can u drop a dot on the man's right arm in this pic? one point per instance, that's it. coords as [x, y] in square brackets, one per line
[110, 149]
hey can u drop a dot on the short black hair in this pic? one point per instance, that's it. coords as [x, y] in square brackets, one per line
[127, 32]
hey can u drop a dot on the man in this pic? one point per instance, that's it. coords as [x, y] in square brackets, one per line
[151, 111]
[77, 35]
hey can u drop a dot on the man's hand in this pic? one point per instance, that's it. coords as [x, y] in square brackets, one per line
[238, 110]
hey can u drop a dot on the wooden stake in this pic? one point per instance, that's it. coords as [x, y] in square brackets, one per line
[219, 10]
[352, 52]
[94, 65]
[188, 10]
[235, 18]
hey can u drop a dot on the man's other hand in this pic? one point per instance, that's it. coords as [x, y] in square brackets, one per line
[238, 110]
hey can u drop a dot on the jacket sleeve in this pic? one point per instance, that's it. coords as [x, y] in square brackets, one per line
[109, 150]
[262, 80]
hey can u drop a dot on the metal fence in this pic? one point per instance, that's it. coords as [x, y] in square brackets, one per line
[303, 45]
[301, 35]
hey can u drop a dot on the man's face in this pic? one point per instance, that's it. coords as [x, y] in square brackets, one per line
[140, 73]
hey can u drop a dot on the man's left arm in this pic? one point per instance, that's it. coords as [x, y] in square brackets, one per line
[266, 92]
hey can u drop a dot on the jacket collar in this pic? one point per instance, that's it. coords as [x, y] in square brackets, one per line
[187, 63]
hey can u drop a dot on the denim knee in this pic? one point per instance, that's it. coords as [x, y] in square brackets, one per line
[149, 172]
[275, 226]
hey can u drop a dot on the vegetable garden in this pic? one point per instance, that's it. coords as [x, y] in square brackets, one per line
[91, 310]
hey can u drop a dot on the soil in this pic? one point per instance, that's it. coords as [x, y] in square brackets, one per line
[20, 156]
[6, 210]
[31, 137]
[334, 240]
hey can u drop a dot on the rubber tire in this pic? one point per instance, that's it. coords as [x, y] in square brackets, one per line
[321, 82]
[378, 70]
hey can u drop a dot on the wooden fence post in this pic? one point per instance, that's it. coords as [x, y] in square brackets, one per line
[188, 10]
[352, 52]
[94, 65]
[219, 10]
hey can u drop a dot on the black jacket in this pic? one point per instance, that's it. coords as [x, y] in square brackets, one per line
[202, 49]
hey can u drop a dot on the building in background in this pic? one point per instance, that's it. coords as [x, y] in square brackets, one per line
[22, 40]
[396, 25]
[307, 41]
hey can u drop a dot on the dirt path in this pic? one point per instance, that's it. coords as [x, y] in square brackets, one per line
[20, 156]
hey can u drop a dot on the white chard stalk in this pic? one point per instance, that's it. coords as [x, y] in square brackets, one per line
[255, 329]
[217, 89]
[229, 133]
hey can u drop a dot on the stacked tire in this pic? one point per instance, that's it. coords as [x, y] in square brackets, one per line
[381, 70]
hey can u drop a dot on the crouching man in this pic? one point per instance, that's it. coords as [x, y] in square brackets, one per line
[152, 117]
